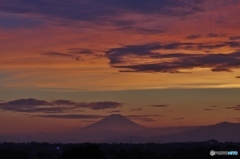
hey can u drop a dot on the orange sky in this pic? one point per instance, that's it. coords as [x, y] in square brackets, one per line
[138, 54]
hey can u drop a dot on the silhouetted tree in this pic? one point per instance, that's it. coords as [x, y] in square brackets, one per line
[122, 154]
[90, 151]
[12, 154]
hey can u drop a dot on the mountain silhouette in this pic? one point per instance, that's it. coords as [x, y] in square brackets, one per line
[115, 122]
[111, 127]
[224, 132]
[117, 128]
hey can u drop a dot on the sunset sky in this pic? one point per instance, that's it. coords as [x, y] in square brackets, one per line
[65, 64]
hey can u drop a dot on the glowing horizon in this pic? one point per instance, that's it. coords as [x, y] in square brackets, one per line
[182, 55]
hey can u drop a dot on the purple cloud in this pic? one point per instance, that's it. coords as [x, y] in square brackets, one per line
[71, 116]
[80, 51]
[137, 109]
[96, 11]
[212, 107]
[194, 36]
[81, 116]
[32, 105]
[237, 107]
[216, 62]
[59, 54]
[148, 115]
[144, 118]
[114, 111]
[208, 109]
[73, 53]
[178, 118]
[101, 105]
[129, 27]
[234, 38]
[212, 35]
[23, 102]
[159, 105]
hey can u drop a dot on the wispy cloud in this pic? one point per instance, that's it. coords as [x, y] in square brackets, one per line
[78, 54]
[234, 38]
[120, 57]
[144, 115]
[80, 51]
[212, 35]
[56, 54]
[98, 10]
[159, 105]
[136, 109]
[16, 21]
[101, 105]
[114, 111]
[237, 107]
[193, 36]
[178, 118]
[208, 109]
[71, 116]
[140, 30]
[147, 119]
[117, 55]
[212, 107]
[144, 118]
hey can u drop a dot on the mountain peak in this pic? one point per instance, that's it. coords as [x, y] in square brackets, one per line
[115, 122]
[112, 116]
[115, 115]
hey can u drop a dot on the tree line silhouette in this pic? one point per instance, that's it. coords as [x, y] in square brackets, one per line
[191, 150]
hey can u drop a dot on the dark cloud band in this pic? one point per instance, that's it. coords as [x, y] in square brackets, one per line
[172, 62]
[32, 105]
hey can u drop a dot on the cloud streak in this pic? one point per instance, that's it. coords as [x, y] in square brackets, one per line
[193, 36]
[159, 106]
[208, 109]
[172, 62]
[71, 116]
[98, 10]
[234, 38]
[237, 107]
[136, 109]
[78, 54]
[59, 54]
[178, 118]
[101, 105]
[32, 105]
[143, 118]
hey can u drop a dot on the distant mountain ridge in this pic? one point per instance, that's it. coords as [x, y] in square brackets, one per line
[117, 128]
[223, 132]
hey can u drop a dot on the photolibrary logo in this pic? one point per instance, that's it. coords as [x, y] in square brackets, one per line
[213, 153]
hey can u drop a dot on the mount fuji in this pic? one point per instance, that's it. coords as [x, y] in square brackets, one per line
[111, 128]
[115, 122]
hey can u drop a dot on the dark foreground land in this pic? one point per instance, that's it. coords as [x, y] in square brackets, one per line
[194, 150]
